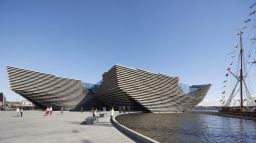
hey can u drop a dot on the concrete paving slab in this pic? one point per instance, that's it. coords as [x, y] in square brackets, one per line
[34, 127]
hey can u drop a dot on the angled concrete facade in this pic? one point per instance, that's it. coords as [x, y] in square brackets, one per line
[121, 86]
[124, 86]
[46, 90]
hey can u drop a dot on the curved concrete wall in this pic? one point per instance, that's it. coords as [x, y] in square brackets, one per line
[135, 136]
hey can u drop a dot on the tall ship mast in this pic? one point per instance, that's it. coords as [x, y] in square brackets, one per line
[240, 98]
[241, 69]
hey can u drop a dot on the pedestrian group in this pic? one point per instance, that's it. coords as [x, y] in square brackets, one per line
[19, 112]
[48, 111]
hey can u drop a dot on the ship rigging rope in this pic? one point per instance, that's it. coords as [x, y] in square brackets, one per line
[248, 61]
[252, 39]
[238, 64]
[231, 95]
[252, 49]
[249, 17]
[247, 91]
[252, 46]
[248, 36]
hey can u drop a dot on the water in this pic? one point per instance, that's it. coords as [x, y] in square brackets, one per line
[191, 127]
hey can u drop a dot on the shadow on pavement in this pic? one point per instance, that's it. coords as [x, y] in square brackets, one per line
[106, 124]
[86, 141]
[15, 116]
[75, 131]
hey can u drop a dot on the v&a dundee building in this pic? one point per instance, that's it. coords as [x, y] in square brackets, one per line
[121, 86]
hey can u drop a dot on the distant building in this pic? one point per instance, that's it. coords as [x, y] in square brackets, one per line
[13, 104]
[2, 99]
[26, 103]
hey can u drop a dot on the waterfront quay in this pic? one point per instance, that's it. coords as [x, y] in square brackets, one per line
[191, 127]
[68, 127]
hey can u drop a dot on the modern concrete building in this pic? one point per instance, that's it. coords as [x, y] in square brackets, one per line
[121, 86]
[45, 90]
[144, 90]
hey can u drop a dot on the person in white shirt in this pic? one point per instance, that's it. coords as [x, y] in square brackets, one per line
[21, 112]
[47, 111]
[112, 112]
[18, 112]
[50, 110]
[96, 116]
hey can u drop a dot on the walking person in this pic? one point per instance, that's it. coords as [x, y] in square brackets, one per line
[82, 109]
[18, 112]
[124, 109]
[21, 112]
[50, 110]
[96, 117]
[47, 111]
[120, 109]
[93, 115]
[112, 112]
[61, 110]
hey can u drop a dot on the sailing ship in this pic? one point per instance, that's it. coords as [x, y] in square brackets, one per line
[239, 100]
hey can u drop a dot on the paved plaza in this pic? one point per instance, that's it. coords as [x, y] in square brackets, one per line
[34, 127]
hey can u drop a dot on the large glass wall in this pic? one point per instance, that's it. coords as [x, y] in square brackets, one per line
[92, 87]
[186, 88]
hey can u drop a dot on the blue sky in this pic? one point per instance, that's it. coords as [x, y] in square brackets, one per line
[81, 39]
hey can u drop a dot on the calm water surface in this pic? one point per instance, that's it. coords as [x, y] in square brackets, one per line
[191, 127]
